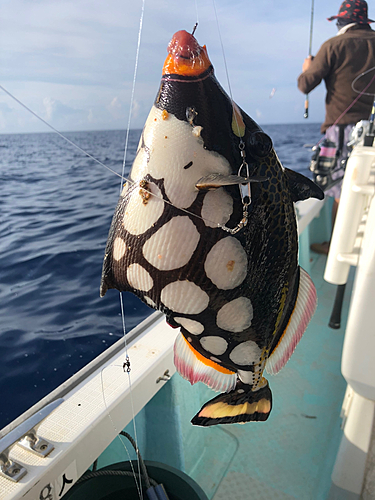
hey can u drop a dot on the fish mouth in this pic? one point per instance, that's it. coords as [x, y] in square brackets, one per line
[185, 56]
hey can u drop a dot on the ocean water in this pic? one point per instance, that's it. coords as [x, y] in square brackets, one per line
[56, 206]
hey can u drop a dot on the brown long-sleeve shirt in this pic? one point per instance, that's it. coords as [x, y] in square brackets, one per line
[339, 61]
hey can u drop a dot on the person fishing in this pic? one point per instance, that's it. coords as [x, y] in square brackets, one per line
[339, 61]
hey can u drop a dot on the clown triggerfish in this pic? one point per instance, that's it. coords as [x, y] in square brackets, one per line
[205, 231]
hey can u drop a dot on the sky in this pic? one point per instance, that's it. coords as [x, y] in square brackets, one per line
[72, 61]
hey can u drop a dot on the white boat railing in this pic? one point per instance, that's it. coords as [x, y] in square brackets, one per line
[97, 406]
[357, 190]
[353, 244]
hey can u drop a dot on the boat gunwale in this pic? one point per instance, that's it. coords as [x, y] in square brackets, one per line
[82, 374]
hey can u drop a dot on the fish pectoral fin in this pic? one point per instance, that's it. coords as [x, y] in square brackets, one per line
[303, 311]
[238, 406]
[214, 181]
[301, 187]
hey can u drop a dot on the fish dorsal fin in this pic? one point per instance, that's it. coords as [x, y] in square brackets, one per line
[194, 367]
[303, 311]
[301, 187]
[214, 181]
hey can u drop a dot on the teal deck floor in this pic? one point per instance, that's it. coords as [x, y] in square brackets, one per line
[291, 455]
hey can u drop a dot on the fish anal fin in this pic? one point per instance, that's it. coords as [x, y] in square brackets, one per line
[194, 367]
[238, 406]
[301, 187]
[302, 313]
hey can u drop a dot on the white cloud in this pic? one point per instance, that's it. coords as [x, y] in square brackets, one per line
[57, 111]
[135, 109]
[49, 105]
[91, 117]
[116, 108]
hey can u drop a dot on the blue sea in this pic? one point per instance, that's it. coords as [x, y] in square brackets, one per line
[56, 207]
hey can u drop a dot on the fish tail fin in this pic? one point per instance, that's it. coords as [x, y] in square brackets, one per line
[238, 406]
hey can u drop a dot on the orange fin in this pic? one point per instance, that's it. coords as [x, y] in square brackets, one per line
[194, 367]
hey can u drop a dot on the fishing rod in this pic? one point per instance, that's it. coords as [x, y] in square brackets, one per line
[306, 114]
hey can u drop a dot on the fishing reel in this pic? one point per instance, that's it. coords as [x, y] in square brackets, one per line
[325, 164]
[359, 132]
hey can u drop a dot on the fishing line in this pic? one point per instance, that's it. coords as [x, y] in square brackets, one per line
[196, 11]
[222, 50]
[355, 100]
[360, 93]
[241, 143]
[360, 76]
[133, 87]
[127, 362]
[140, 492]
[122, 177]
[225, 63]
[126, 366]
[138, 486]
[57, 132]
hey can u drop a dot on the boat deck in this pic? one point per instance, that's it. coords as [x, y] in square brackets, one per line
[291, 456]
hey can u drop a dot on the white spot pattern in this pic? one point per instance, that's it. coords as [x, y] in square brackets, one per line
[139, 278]
[184, 297]
[215, 359]
[150, 302]
[139, 217]
[226, 263]
[235, 316]
[214, 345]
[168, 158]
[248, 353]
[172, 245]
[217, 207]
[246, 377]
[192, 326]
[119, 248]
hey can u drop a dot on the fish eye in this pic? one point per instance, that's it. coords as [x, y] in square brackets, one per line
[260, 144]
